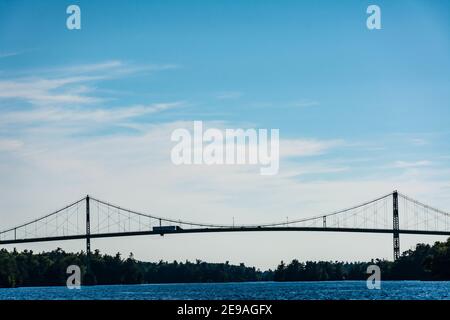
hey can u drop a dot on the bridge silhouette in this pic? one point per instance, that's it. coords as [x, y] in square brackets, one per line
[90, 218]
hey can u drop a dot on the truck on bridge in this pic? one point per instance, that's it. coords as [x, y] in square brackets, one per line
[164, 229]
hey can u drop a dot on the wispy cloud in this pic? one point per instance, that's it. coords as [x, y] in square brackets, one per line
[113, 68]
[229, 95]
[10, 144]
[42, 91]
[313, 169]
[93, 67]
[75, 115]
[412, 164]
[9, 54]
[306, 147]
[303, 103]
[419, 141]
[71, 85]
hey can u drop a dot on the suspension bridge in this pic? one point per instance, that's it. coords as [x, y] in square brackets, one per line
[90, 218]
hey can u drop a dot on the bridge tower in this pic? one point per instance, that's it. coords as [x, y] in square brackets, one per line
[88, 227]
[88, 278]
[396, 226]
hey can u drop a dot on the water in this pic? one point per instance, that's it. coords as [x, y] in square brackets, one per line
[247, 290]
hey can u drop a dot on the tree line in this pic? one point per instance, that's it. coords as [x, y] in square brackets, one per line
[425, 262]
[27, 268]
[49, 268]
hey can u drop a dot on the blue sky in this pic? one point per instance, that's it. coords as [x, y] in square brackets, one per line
[360, 111]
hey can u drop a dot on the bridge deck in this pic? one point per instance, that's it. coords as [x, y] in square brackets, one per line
[217, 230]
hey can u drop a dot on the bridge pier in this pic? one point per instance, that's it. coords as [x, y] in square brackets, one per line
[396, 226]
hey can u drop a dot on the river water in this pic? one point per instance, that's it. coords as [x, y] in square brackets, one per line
[390, 290]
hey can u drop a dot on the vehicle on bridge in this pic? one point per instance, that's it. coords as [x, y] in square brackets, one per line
[164, 229]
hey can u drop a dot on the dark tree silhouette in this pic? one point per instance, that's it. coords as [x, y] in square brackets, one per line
[26, 268]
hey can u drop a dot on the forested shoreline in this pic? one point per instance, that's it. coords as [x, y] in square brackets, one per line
[26, 268]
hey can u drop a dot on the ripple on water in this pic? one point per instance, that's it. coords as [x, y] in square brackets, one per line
[390, 290]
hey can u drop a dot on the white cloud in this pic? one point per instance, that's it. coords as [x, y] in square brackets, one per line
[68, 85]
[305, 103]
[71, 115]
[47, 91]
[412, 164]
[112, 68]
[308, 169]
[10, 144]
[88, 68]
[9, 54]
[229, 95]
[306, 147]
[419, 141]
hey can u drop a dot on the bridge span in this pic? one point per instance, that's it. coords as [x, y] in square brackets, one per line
[90, 218]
